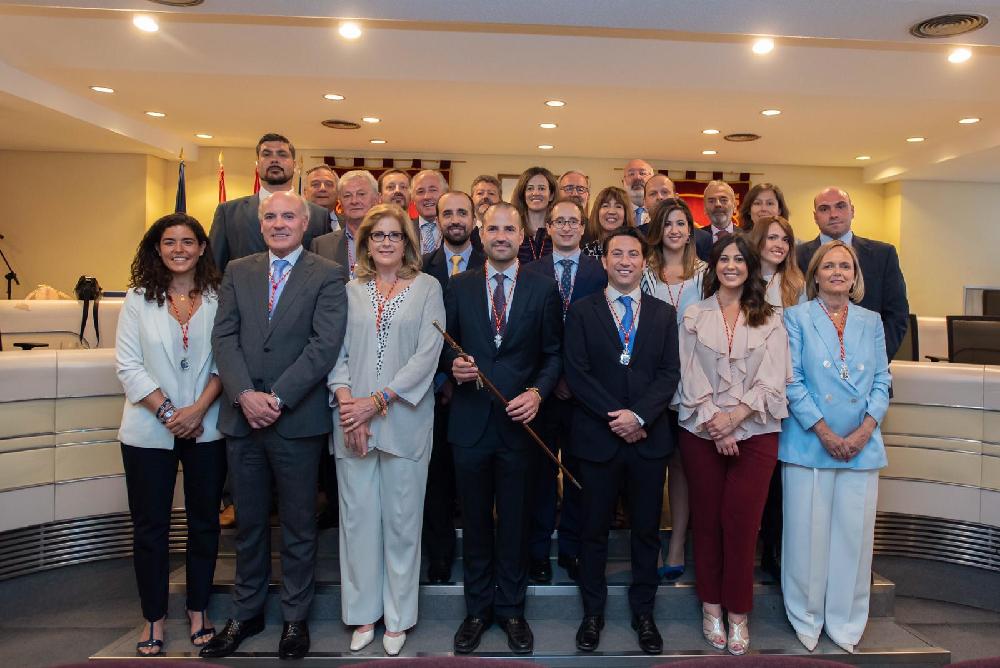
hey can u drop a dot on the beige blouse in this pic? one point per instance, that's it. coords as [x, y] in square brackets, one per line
[711, 380]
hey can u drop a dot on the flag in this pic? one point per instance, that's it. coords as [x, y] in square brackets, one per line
[256, 180]
[222, 180]
[300, 175]
[180, 204]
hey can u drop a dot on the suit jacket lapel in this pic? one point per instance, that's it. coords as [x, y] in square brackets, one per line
[293, 288]
[603, 315]
[251, 204]
[854, 334]
[260, 290]
[162, 320]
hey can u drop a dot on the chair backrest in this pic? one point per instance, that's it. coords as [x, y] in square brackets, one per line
[973, 339]
[909, 347]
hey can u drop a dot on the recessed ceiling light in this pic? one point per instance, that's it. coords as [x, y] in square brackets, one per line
[333, 96]
[959, 55]
[763, 45]
[349, 30]
[145, 23]
[371, 119]
[969, 121]
[770, 112]
[156, 114]
[863, 157]
[548, 126]
[377, 141]
[546, 147]
[102, 89]
[555, 103]
[914, 140]
[710, 131]
[202, 135]
[709, 152]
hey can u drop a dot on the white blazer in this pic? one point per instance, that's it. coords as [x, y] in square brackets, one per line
[145, 361]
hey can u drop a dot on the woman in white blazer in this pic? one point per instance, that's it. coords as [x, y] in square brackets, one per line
[164, 361]
[831, 451]
[383, 416]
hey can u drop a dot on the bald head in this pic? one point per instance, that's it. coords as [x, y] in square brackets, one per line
[833, 211]
[637, 172]
[658, 188]
[719, 202]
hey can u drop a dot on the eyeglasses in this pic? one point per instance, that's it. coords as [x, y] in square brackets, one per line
[566, 223]
[579, 190]
[379, 237]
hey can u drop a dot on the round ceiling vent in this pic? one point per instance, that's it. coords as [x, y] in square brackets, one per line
[948, 25]
[742, 136]
[179, 3]
[336, 124]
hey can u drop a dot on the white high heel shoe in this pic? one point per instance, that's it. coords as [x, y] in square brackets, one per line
[808, 642]
[361, 639]
[393, 644]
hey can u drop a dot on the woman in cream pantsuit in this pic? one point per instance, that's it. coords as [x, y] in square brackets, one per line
[832, 450]
[384, 419]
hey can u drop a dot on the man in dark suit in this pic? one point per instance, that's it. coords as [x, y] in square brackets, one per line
[510, 324]
[236, 229]
[358, 192]
[576, 276]
[885, 288]
[456, 254]
[277, 334]
[720, 204]
[622, 366]
[321, 189]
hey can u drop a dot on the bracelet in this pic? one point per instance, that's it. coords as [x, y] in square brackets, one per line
[165, 411]
[381, 407]
[535, 390]
[386, 397]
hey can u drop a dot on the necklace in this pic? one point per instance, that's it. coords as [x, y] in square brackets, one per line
[840, 326]
[626, 355]
[500, 318]
[670, 292]
[381, 301]
[730, 333]
[184, 327]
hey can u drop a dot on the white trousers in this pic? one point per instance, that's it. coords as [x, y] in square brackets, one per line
[826, 558]
[381, 517]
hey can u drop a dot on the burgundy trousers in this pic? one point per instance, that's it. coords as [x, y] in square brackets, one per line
[727, 495]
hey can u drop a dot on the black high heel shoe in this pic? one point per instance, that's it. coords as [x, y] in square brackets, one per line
[150, 644]
[202, 632]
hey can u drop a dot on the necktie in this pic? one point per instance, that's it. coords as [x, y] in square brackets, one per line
[566, 281]
[722, 234]
[500, 305]
[455, 260]
[626, 322]
[278, 269]
[428, 242]
[639, 213]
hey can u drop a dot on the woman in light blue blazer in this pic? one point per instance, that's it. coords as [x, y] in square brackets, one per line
[383, 400]
[164, 361]
[832, 450]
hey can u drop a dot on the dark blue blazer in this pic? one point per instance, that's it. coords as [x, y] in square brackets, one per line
[590, 275]
[885, 288]
[601, 384]
[438, 266]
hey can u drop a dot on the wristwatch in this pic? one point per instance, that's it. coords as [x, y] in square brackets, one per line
[281, 404]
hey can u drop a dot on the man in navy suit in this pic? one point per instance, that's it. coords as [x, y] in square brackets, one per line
[576, 276]
[885, 288]
[456, 221]
[720, 204]
[509, 323]
[621, 361]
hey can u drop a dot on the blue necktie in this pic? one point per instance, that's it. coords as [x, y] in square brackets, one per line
[626, 322]
[566, 280]
[638, 215]
[277, 284]
[428, 234]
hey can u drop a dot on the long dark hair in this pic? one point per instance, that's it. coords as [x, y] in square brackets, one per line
[654, 237]
[518, 198]
[753, 303]
[148, 272]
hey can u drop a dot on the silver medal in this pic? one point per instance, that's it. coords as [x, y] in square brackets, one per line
[844, 373]
[625, 358]
[498, 340]
[184, 364]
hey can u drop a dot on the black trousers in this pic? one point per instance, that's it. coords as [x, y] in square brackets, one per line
[441, 496]
[643, 478]
[494, 556]
[554, 424]
[294, 465]
[150, 475]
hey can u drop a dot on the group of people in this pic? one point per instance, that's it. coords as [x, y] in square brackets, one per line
[633, 342]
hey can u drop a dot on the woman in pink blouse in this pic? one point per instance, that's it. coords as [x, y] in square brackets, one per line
[734, 365]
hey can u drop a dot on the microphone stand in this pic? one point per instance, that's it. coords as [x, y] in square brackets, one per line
[11, 275]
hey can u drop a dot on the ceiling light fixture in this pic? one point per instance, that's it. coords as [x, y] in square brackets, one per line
[863, 157]
[377, 141]
[914, 140]
[709, 152]
[710, 131]
[371, 119]
[959, 55]
[145, 23]
[202, 135]
[349, 30]
[969, 121]
[555, 103]
[156, 114]
[548, 126]
[763, 45]
[546, 147]
[102, 89]
[770, 112]
[333, 96]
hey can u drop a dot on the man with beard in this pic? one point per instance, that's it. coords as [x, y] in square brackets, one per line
[321, 189]
[394, 188]
[236, 228]
[485, 191]
[358, 192]
[575, 185]
[719, 203]
[425, 190]
[455, 255]
[518, 346]
[637, 172]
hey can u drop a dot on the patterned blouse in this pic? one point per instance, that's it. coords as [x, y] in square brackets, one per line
[382, 326]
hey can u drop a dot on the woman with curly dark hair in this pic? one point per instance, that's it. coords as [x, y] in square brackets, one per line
[730, 403]
[164, 360]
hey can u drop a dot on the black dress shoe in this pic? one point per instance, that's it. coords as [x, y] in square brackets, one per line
[228, 641]
[540, 571]
[294, 643]
[571, 565]
[588, 636]
[469, 634]
[650, 640]
[327, 520]
[519, 637]
[439, 571]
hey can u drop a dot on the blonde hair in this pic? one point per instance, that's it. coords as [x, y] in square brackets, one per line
[857, 292]
[792, 280]
[412, 263]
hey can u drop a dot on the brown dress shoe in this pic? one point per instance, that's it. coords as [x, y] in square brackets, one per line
[227, 517]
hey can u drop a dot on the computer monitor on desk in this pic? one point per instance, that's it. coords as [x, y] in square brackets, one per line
[973, 339]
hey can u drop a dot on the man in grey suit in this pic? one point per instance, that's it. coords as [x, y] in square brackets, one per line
[235, 229]
[358, 192]
[278, 332]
